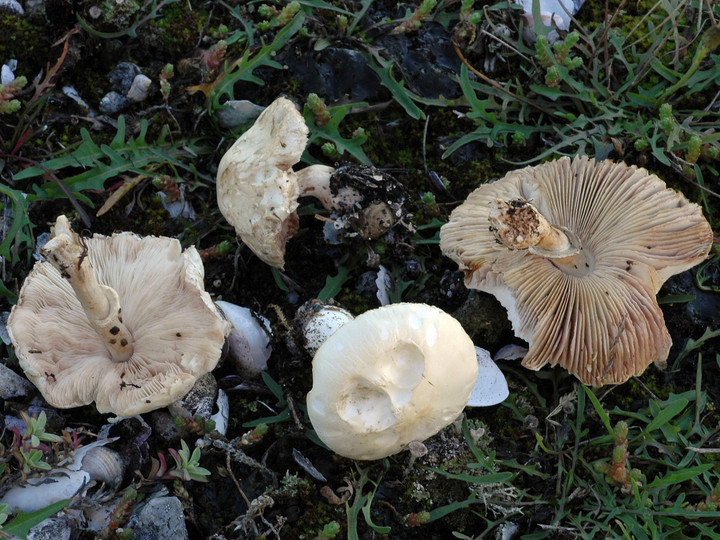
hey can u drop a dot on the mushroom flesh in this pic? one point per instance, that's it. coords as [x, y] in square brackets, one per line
[393, 375]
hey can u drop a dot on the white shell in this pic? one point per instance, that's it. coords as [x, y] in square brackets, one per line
[249, 338]
[105, 465]
[37, 493]
[552, 8]
[89, 462]
[222, 417]
[319, 322]
[139, 88]
[491, 387]
[395, 374]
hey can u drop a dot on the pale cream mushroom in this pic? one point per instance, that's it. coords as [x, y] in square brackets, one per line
[393, 375]
[123, 321]
[576, 252]
[257, 189]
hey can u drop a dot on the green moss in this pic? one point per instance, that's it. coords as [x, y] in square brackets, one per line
[177, 31]
[26, 42]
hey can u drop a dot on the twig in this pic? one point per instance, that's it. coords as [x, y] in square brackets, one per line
[228, 466]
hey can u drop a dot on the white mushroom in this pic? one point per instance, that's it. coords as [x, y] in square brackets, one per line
[257, 190]
[123, 321]
[393, 375]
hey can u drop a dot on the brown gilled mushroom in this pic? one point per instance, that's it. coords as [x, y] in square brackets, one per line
[576, 252]
[123, 321]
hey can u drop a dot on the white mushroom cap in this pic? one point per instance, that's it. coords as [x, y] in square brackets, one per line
[175, 330]
[592, 308]
[257, 190]
[248, 340]
[393, 375]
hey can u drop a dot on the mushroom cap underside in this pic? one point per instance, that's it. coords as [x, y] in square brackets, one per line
[594, 314]
[177, 332]
[257, 190]
[394, 374]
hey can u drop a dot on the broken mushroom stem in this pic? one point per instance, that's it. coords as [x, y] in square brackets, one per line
[517, 224]
[314, 181]
[67, 252]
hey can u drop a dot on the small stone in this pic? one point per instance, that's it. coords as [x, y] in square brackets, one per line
[199, 401]
[139, 88]
[113, 103]
[95, 12]
[122, 77]
[51, 529]
[238, 112]
[160, 519]
[13, 385]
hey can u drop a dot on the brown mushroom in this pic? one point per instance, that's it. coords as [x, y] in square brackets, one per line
[576, 252]
[123, 321]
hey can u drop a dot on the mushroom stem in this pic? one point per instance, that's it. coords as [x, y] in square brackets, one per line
[67, 252]
[314, 181]
[519, 225]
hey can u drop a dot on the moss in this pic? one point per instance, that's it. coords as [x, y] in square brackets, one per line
[26, 42]
[177, 31]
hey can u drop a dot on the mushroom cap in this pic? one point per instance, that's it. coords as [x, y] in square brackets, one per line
[257, 190]
[392, 375]
[178, 334]
[598, 319]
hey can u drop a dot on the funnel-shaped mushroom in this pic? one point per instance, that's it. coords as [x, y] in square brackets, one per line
[393, 375]
[576, 252]
[123, 321]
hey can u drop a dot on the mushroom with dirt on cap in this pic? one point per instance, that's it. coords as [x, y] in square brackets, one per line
[258, 190]
[576, 252]
[393, 375]
[122, 320]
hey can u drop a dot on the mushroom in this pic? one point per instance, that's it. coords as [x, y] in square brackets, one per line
[393, 375]
[576, 251]
[123, 321]
[258, 191]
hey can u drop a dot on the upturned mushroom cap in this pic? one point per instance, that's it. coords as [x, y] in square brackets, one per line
[592, 308]
[393, 375]
[175, 331]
